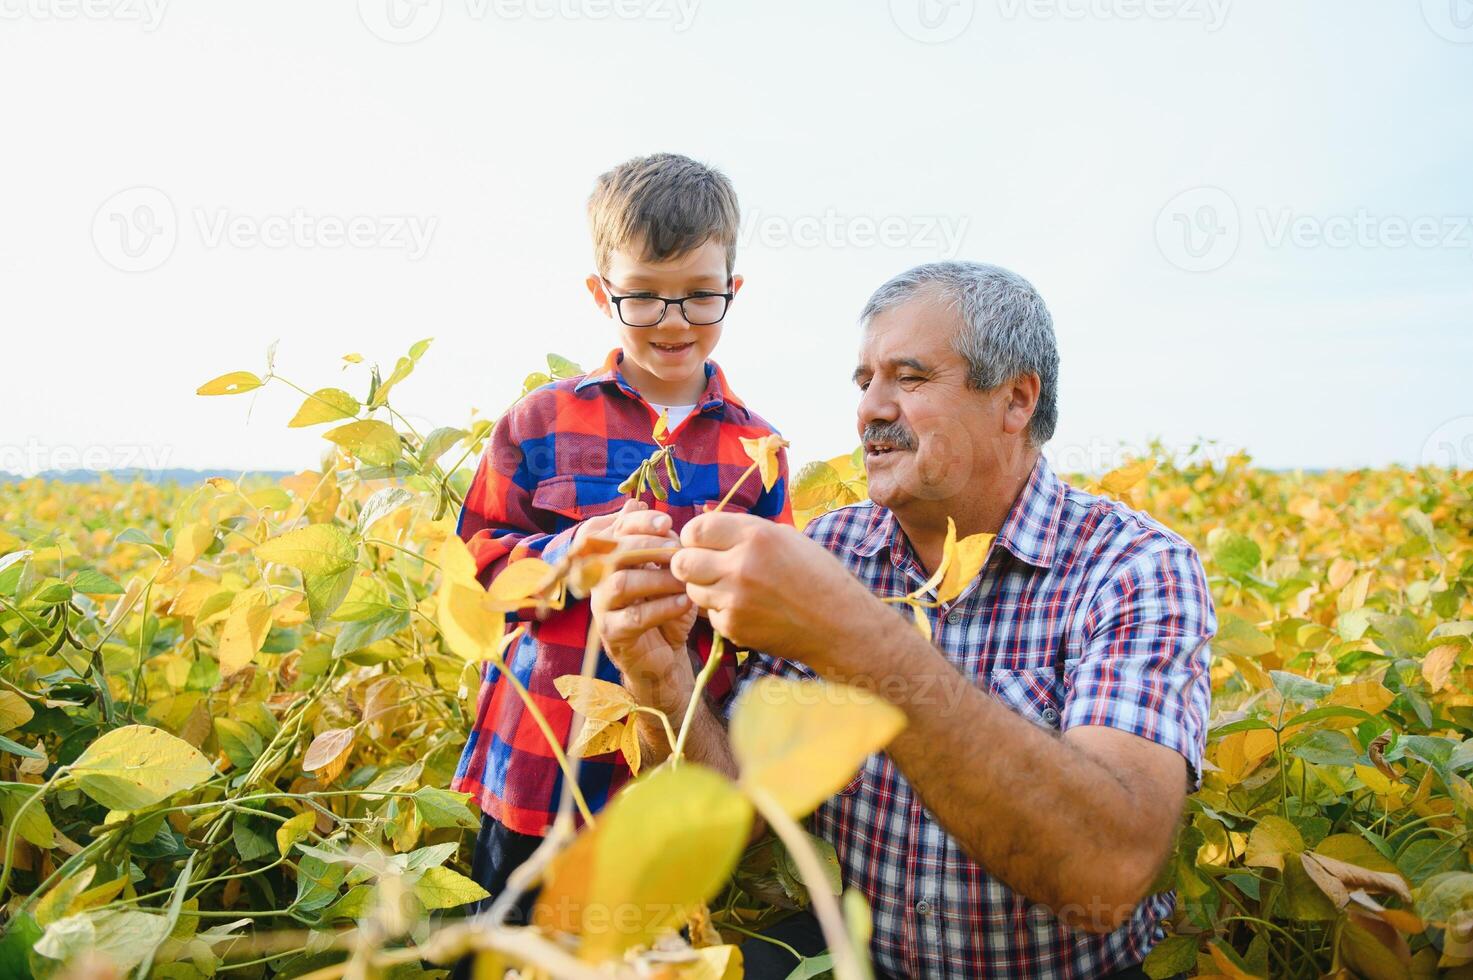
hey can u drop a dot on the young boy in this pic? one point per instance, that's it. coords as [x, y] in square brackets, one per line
[664, 236]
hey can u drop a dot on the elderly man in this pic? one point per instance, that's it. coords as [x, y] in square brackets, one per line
[1056, 718]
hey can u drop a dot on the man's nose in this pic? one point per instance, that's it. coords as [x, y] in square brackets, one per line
[877, 404]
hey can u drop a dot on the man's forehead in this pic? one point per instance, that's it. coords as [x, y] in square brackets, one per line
[916, 333]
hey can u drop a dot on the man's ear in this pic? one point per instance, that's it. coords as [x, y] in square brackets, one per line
[600, 295]
[1022, 402]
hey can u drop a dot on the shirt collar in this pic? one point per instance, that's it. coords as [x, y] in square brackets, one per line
[717, 394]
[1030, 533]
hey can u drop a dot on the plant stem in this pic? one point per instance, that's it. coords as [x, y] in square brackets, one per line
[708, 670]
[734, 488]
[825, 906]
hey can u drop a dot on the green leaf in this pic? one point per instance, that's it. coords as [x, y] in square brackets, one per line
[89, 581]
[560, 367]
[438, 443]
[35, 825]
[136, 766]
[1296, 688]
[326, 592]
[325, 405]
[1173, 955]
[441, 888]
[1324, 747]
[356, 635]
[317, 549]
[374, 442]
[15, 748]
[383, 503]
[1237, 635]
[241, 744]
[1237, 555]
[20, 936]
[440, 808]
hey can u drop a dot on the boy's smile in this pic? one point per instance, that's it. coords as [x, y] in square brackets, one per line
[666, 362]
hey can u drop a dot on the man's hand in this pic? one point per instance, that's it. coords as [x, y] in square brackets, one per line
[643, 614]
[767, 587]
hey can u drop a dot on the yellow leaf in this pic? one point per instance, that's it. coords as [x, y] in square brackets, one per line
[593, 698]
[325, 405]
[233, 383]
[1437, 665]
[1272, 840]
[597, 738]
[520, 581]
[471, 628]
[328, 753]
[662, 426]
[374, 442]
[56, 904]
[967, 560]
[801, 741]
[667, 842]
[244, 632]
[629, 745]
[764, 452]
[455, 560]
[294, 830]
[136, 766]
[189, 543]
[714, 963]
[1369, 696]
[15, 711]
[317, 549]
[1120, 480]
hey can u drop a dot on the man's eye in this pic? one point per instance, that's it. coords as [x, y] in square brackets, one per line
[911, 379]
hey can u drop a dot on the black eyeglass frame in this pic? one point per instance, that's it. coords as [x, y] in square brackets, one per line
[669, 301]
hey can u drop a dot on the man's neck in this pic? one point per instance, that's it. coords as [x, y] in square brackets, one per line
[982, 511]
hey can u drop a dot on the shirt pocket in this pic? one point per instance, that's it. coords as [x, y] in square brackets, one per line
[578, 498]
[1035, 693]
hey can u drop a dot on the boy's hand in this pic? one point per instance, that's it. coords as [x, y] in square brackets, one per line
[643, 614]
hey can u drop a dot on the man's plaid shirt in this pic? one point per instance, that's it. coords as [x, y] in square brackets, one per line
[555, 459]
[1086, 613]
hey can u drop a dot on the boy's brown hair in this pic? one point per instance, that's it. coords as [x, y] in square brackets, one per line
[664, 204]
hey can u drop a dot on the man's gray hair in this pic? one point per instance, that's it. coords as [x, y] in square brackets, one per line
[1006, 328]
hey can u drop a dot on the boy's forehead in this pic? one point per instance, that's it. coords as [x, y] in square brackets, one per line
[707, 261]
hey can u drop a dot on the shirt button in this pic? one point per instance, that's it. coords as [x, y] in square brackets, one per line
[923, 907]
[954, 617]
[1050, 717]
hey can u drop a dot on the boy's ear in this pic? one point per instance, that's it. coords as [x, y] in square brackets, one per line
[736, 285]
[599, 294]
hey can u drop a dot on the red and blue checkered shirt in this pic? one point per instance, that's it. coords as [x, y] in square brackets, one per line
[1086, 613]
[555, 459]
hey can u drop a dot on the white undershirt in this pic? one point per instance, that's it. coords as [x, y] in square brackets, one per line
[676, 413]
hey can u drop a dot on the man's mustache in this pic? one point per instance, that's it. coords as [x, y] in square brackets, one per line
[892, 434]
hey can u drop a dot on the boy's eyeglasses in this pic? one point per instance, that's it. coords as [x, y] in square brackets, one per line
[699, 310]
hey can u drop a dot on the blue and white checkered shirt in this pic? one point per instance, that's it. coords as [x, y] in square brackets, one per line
[1086, 613]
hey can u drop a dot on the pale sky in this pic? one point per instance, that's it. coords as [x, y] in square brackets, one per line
[1250, 219]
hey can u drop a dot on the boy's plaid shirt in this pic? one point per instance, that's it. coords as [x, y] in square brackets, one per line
[1086, 613]
[555, 459]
